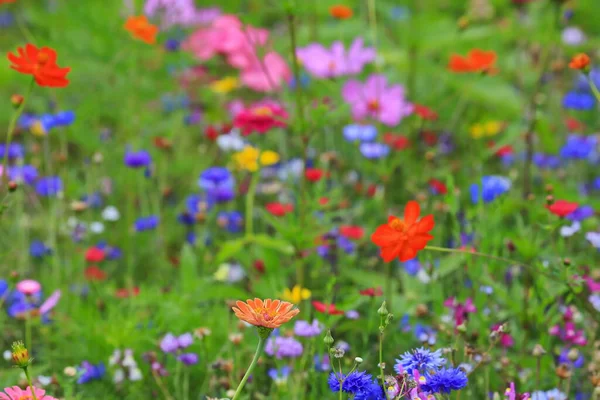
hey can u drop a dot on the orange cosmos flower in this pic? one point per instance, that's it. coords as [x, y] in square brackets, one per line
[341, 12]
[41, 63]
[269, 313]
[476, 61]
[404, 238]
[580, 61]
[141, 28]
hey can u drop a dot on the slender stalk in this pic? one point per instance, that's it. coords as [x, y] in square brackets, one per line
[28, 339]
[186, 384]
[593, 87]
[381, 361]
[161, 386]
[11, 128]
[259, 350]
[474, 253]
[388, 285]
[250, 204]
[26, 370]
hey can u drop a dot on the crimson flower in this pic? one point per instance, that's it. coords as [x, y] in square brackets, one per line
[313, 174]
[396, 142]
[562, 208]
[278, 209]
[438, 187]
[330, 309]
[94, 254]
[353, 232]
[425, 113]
[124, 293]
[372, 292]
[94, 274]
[261, 118]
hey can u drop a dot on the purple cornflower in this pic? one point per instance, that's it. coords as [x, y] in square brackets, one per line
[581, 213]
[322, 62]
[233, 221]
[218, 183]
[188, 358]
[171, 343]
[376, 100]
[280, 347]
[137, 159]
[15, 150]
[322, 364]
[49, 186]
[146, 223]
[306, 329]
[360, 133]
[420, 359]
[23, 173]
[374, 151]
[579, 147]
[90, 372]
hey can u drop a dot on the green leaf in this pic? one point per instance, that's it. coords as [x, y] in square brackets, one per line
[272, 243]
[230, 249]
[187, 270]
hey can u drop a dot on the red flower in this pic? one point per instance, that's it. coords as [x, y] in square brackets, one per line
[94, 254]
[430, 138]
[501, 151]
[340, 11]
[41, 63]
[371, 190]
[352, 232]
[259, 265]
[326, 308]
[260, 118]
[404, 238]
[140, 28]
[323, 201]
[162, 143]
[425, 112]
[313, 174]
[94, 274]
[211, 133]
[574, 125]
[580, 61]
[562, 208]
[396, 142]
[278, 209]
[372, 292]
[438, 186]
[6, 1]
[125, 293]
[476, 61]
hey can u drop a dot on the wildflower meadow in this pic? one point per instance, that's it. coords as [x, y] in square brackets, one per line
[300, 199]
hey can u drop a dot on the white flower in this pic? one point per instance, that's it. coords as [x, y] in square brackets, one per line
[44, 380]
[119, 376]
[231, 142]
[97, 227]
[135, 374]
[573, 36]
[111, 213]
[593, 238]
[115, 357]
[128, 360]
[7, 355]
[568, 231]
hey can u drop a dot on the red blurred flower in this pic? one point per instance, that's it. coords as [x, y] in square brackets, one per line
[330, 309]
[41, 63]
[476, 61]
[562, 208]
[211, 133]
[94, 274]
[260, 118]
[371, 190]
[574, 125]
[580, 61]
[438, 186]
[125, 293]
[278, 209]
[140, 28]
[323, 201]
[506, 340]
[6, 1]
[94, 254]
[425, 112]
[396, 142]
[259, 265]
[353, 232]
[313, 174]
[372, 292]
[404, 238]
[341, 11]
[430, 138]
[162, 143]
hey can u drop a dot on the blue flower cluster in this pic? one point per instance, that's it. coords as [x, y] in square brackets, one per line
[491, 188]
[420, 359]
[46, 122]
[581, 97]
[445, 380]
[579, 147]
[360, 384]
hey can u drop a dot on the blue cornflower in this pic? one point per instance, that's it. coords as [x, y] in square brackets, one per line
[280, 376]
[37, 249]
[64, 118]
[546, 161]
[94, 200]
[15, 150]
[563, 358]
[233, 221]
[421, 359]
[553, 394]
[146, 223]
[491, 188]
[424, 333]
[355, 382]
[3, 288]
[412, 266]
[188, 358]
[23, 174]
[27, 120]
[581, 213]
[321, 364]
[197, 205]
[137, 159]
[49, 186]
[579, 147]
[374, 150]
[218, 183]
[445, 380]
[361, 133]
[90, 372]
[581, 101]
[373, 392]
[172, 44]
[110, 252]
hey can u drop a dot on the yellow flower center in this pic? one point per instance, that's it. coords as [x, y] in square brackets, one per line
[398, 225]
[263, 111]
[373, 105]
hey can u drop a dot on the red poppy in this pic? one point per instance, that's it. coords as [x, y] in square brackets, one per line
[372, 292]
[124, 293]
[94, 274]
[211, 133]
[94, 254]
[278, 209]
[580, 61]
[562, 208]
[323, 201]
[41, 63]
[330, 309]
[574, 125]
[396, 142]
[353, 232]
[476, 61]
[437, 186]
[404, 238]
[425, 112]
[260, 118]
[313, 174]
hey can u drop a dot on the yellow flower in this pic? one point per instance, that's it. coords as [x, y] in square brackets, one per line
[492, 128]
[222, 273]
[247, 159]
[477, 131]
[296, 294]
[225, 85]
[37, 129]
[269, 157]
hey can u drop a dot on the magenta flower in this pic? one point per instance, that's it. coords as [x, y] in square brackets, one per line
[16, 393]
[329, 63]
[375, 99]
[29, 287]
[506, 339]
[461, 310]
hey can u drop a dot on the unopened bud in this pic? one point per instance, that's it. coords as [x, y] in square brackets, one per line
[337, 352]
[566, 262]
[549, 188]
[538, 350]
[549, 199]
[16, 100]
[563, 371]
[383, 311]
[510, 246]
[70, 371]
[328, 338]
[12, 186]
[462, 328]
[20, 355]
[358, 360]
[573, 355]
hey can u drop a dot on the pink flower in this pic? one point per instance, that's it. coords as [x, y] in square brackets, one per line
[16, 393]
[460, 310]
[50, 302]
[244, 57]
[506, 340]
[267, 76]
[593, 286]
[328, 63]
[260, 117]
[179, 12]
[375, 99]
[29, 287]
[568, 332]
[224, 36]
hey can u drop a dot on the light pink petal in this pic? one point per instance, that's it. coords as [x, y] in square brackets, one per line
[352, 91]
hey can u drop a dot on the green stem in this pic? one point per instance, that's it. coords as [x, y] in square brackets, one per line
[11, 128]
[30, 383]
[250, 204]
[381, 360]
[474, 253]
[186, 384]
[388, 285]
[259, 350]
[161, 386]
[28, 331]
[593, 87]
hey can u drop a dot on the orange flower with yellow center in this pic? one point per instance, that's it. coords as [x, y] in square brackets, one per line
[269, 313]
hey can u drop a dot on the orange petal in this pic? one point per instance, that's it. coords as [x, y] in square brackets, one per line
[384, 235]
[411, 212]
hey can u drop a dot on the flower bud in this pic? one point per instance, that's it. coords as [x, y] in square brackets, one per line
[70, 371]
[383, 311]
[566, 262]
[358, 360]
[462, 328]
[538, 350]
[337, 352]
[549, 200]
[12, 186]
[328, 338]
[20, 355]
[573, 355]
[16, 100]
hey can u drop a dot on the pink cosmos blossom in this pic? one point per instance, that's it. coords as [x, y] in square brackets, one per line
[16, 393]
[223, 36]
[375, 99]
[328, 63]
[29, 287]
[267, 76]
